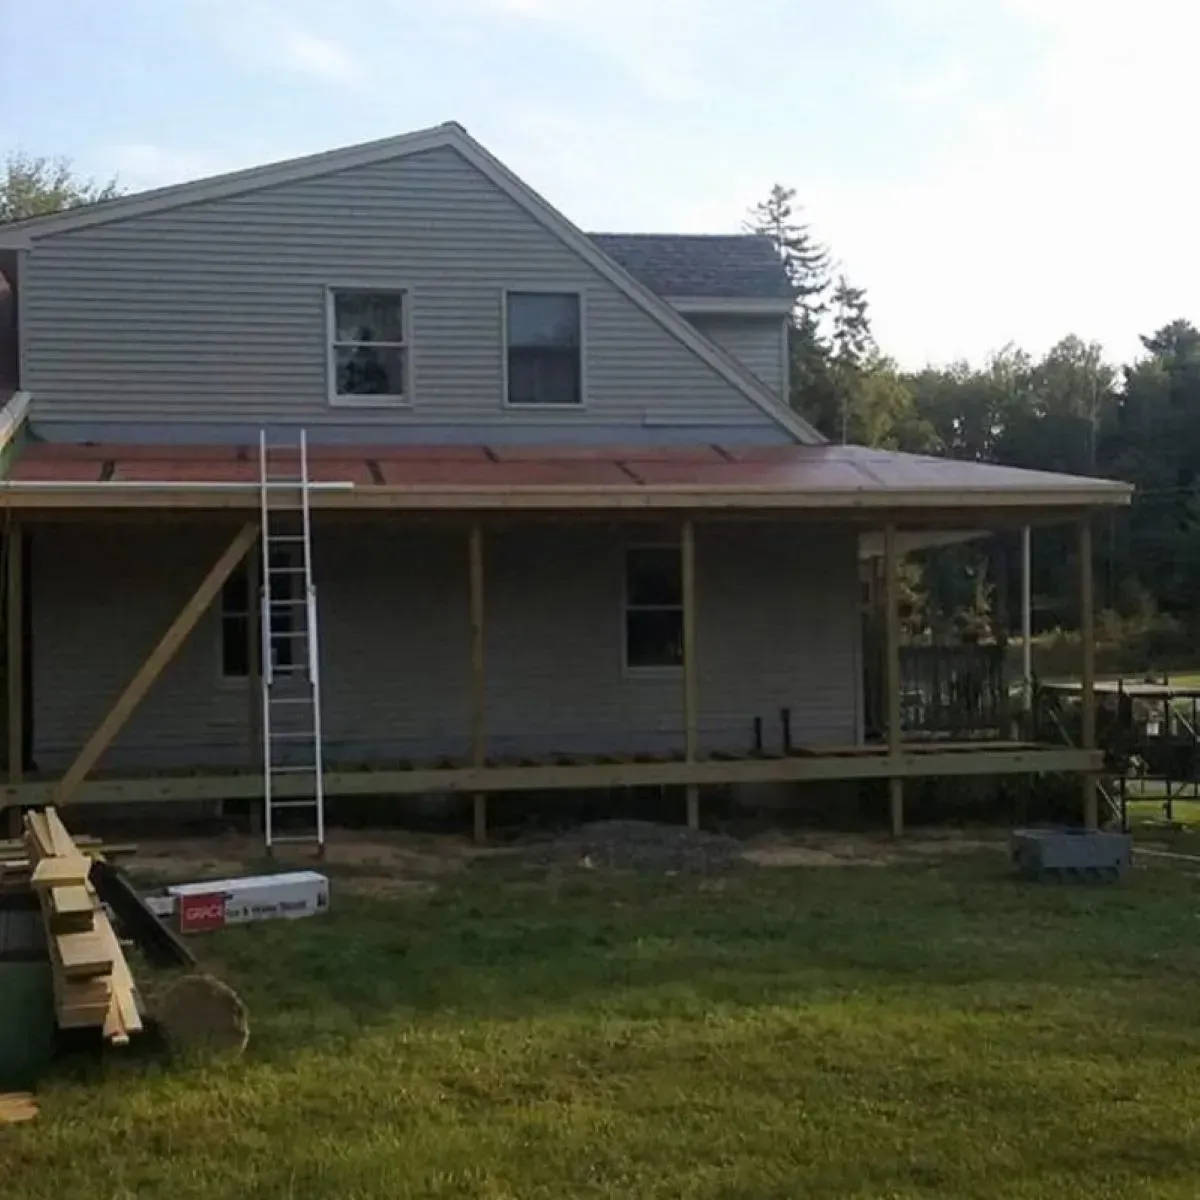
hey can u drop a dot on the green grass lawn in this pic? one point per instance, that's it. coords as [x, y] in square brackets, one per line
[917, 1030]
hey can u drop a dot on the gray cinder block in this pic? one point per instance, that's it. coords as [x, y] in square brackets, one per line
[1072, 854]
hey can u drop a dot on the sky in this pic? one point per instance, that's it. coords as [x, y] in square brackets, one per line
[990, 171]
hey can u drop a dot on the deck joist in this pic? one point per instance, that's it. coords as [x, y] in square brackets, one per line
[802, 765]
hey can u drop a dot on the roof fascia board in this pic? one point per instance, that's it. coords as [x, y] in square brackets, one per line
[21, 234]
[733, 306]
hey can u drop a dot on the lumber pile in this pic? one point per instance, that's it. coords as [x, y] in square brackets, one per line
[92, 982]
[16, 1107]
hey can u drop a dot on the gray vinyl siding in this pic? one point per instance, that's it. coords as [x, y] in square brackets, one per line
[777, 626]
[756, 342]
[209, 320]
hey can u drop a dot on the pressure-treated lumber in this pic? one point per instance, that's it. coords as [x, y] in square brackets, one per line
[914, 763]
[55, 872]
[891, 625]
[1087, 673]
[82, 955]
[16, 1107]
[687, 572]
[150, 670]
[92, 982]
[478, 678]
[15, 649]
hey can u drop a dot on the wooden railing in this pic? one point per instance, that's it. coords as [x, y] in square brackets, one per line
[957, 691]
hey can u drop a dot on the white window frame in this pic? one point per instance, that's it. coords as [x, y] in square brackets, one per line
[543, 290]
[647, 671]
[252, 565]
[331, 343]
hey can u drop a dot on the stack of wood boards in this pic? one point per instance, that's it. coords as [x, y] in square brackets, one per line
[92, 982]
[16, 1107]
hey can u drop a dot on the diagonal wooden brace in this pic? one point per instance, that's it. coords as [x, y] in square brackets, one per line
[152, 668]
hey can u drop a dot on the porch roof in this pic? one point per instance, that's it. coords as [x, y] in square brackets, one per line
[821, 479]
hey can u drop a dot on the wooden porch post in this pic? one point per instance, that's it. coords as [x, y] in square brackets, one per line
[1087, 673]
[254, 750]
[1027, 616]
[15, 664]
[150, 670]
[891, 592]
[1000, 568]
[687, 570]
[478, 680]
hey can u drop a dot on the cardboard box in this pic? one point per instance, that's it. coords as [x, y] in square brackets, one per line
[221, 902]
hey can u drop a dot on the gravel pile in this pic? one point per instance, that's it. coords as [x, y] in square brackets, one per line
[637, 846]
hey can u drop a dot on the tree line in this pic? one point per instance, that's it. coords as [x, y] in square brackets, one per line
[1066, 410]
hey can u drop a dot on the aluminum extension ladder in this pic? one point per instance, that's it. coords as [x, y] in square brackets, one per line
[293, 765]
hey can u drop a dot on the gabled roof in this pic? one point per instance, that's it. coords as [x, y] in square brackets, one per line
[722, 266]
[22, 234]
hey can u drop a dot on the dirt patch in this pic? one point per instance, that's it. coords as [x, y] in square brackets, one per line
[635, 846]
[384, 856]
[817, 849]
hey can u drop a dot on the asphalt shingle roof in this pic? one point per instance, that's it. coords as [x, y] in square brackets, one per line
[724, 266]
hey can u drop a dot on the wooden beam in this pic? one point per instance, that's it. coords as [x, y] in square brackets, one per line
[150, 670]
[14, 617]
[691, 736]
[1087, 671]
[381, 784]
[892, 683]
[478, 678]
[254, 697]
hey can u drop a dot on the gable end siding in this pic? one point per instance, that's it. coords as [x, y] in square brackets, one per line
[211, 316]
[756, 342]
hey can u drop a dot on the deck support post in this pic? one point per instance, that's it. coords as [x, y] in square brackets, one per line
[15, 664]
[478, 680]
[185, 621]
[254, 725]
[1000, 632]
[687, 571]
[1087, 672]
[1027, 618]
[892, 684]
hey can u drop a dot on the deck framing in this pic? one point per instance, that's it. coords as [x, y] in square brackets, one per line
[808, 766]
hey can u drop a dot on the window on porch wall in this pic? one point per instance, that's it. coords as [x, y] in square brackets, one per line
[235, 614]
[653, 607]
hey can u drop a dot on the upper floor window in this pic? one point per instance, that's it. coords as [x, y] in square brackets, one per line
[544, 351]
[368, 346]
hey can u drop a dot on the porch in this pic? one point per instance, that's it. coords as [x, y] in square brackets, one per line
[688, 752]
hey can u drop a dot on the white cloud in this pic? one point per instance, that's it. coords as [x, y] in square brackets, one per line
[321, 57]
[660, 44]
[272, 35]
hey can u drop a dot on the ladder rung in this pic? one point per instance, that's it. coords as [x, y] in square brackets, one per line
[292, 769]
[291, 538]
[284, 635]
[293, 804]
[297, 838]
[288, 699]
[286, 570]
[292, 735]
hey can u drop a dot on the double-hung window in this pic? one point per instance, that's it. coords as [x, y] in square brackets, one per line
[653, 607]
[369, 346]
[544, 351]
[287, 587]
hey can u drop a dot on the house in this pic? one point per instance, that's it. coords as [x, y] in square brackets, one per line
[566, 531]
